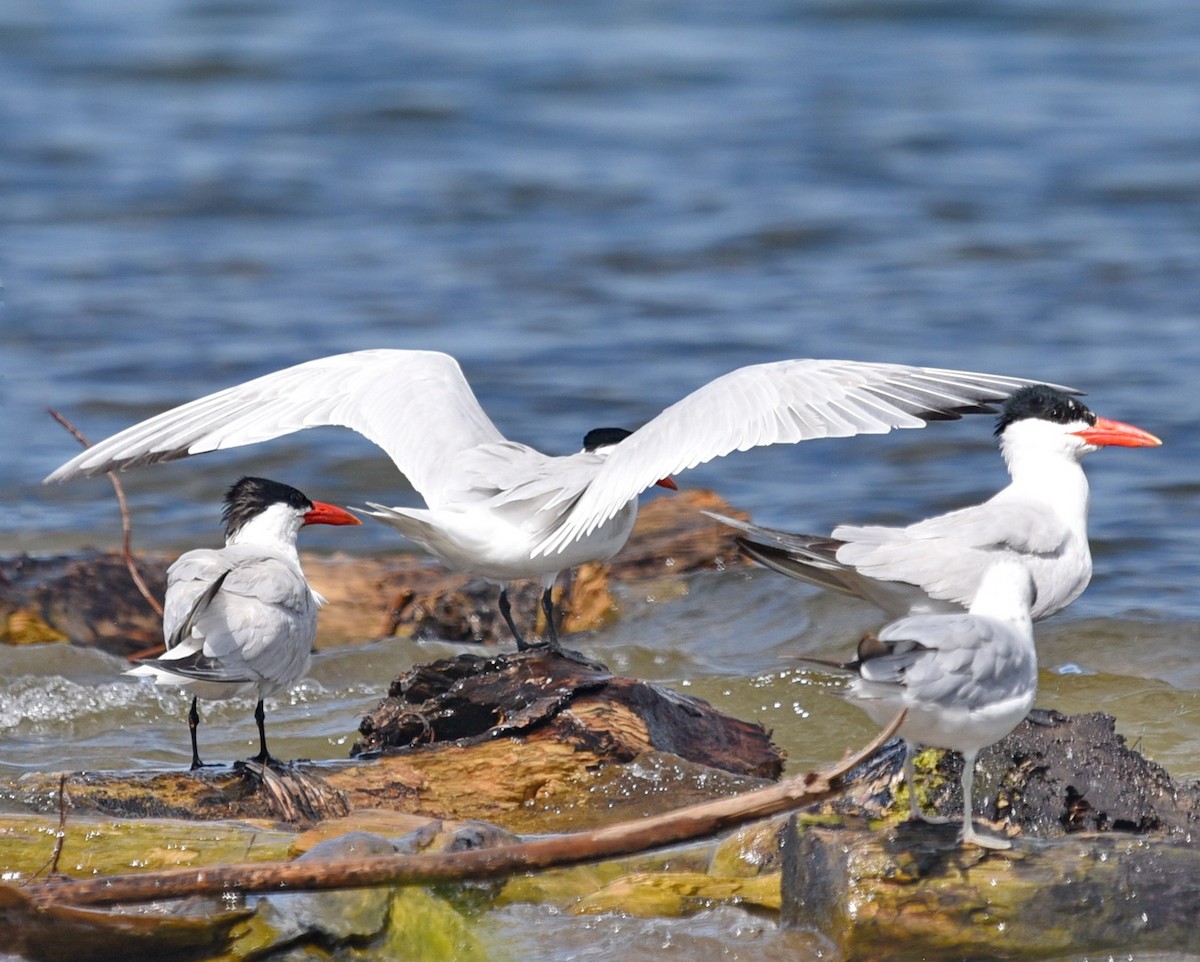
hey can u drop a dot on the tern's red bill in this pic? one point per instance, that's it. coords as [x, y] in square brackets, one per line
[323, 513]
[1105, 433]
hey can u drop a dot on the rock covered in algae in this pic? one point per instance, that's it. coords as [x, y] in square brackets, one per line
[1050, 777]
[913, 892]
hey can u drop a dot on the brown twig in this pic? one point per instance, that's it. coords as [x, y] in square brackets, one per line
[686, 824]
[51, 866]
[126, 524]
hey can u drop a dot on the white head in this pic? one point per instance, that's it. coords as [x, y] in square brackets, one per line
[260, 511]
[602, 441]
[1046, 421]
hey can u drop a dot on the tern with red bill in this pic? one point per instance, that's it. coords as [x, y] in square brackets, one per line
[935, 565]
[503, 510]
[242, 619]
[965, 680]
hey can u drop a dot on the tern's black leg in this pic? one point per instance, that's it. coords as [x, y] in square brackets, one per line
[193, 724]
[548, 611]
[506, 611]
[263, 757]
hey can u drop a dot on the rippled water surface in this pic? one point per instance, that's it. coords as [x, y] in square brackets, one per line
[597, 208]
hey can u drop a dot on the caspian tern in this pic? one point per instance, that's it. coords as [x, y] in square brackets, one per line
[1040, 518]
[504, 511]
[242, 618]
[966, 679]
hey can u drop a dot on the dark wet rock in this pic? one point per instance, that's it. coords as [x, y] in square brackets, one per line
[90, 599]
[470, 699]
[358, 914]
[1058, 775]
[1077, 774]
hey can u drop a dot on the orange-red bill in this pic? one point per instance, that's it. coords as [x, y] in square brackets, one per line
[323, 513]
[1117, 434]
[668, 483]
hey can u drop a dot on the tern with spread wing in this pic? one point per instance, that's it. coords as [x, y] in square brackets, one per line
[965, 680]
[242, 619]
[935, 565]
[505, 511]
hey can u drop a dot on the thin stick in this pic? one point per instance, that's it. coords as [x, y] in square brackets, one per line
[695, 821]
[51, 866]
[126, 525]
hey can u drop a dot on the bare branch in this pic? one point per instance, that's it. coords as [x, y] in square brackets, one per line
[51, 866]
[126, 524]
[693, 822]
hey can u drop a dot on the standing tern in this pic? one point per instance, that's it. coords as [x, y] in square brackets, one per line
[505, 511]
[242, 618]
[1040, 518]
[965, 680]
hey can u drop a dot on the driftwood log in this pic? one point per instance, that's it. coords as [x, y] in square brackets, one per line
[506, 738]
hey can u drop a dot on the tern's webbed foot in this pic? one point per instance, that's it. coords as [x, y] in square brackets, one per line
[971, 837]
[570, 654]
[931, 819]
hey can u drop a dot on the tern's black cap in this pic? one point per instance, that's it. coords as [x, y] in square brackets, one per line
[1045, 403]
[603, 437]
[249, 497]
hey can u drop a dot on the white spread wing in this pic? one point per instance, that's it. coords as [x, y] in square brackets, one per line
[416, 405]
[777, 403]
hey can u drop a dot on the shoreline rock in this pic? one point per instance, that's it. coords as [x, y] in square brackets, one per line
[90, 598]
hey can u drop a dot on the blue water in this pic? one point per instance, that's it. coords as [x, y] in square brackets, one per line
[598, 207]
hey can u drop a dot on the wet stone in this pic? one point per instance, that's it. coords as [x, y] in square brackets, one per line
[337, 916]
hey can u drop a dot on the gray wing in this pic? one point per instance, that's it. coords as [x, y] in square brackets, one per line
[967, 661]
[249, 616]
[416, 405]
[778, 403]
[946, 556]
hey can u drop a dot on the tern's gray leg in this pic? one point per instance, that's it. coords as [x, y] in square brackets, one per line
[969, 836]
